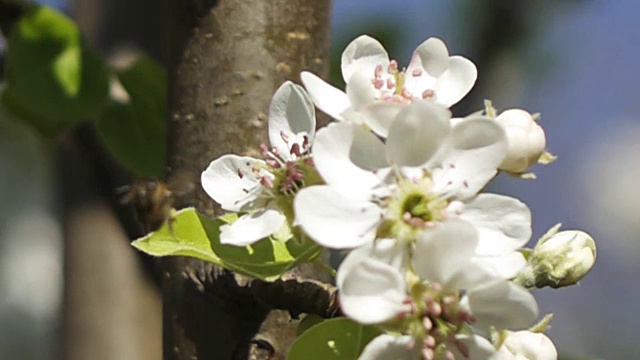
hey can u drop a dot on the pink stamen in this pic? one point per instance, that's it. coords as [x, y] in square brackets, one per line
[428, 354]
[427, 324]
[393, 67]
[377, 83]
[266, 182]
[390, 83]
[406, 94]
[264, 150]
[273, 163]
[295, 150]
[416, 72]
[240, 174]
[378, 71]
[428, 94]
[429, 341]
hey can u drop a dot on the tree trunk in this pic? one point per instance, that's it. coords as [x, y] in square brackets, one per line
[227, 58]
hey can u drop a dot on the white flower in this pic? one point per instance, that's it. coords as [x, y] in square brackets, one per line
[388, 347]
[264, 188]
[377, 89]
[526, 345]
[447, 293]
[525, 137]
[427, 172]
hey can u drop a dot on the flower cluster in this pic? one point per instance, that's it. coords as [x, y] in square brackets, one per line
[434, 261]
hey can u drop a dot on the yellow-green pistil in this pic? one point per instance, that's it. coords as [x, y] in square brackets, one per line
[412, 208]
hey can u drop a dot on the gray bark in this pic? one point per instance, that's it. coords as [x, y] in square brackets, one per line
[227, 58]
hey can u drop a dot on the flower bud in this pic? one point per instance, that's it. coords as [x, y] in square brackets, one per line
[525, 138]
[527, 345]
[562, 259]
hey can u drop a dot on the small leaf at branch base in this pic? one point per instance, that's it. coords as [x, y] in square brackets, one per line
[335, 339]
[194, 235]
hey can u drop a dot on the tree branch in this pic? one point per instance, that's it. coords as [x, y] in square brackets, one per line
[227, 58]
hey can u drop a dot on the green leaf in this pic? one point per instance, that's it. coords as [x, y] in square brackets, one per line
[134, 129]
[53, 80]
[335, 339]
[309, 321]
[187, 236]
[195, 235]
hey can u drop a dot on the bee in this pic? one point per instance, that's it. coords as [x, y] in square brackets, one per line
[152, 201]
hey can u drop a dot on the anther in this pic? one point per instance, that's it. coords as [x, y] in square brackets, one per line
[428, 94]
[264, 150]
[393, 67]
[435, 309]
[428, 354]
[427, 324]
[295, 150]
[430, 342]
[378, 71]
[390, 84]
[266, 182]
[416, 72]
[378, 83]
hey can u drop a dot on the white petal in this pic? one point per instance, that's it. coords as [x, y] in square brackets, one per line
[470, 157]
[388, 251]
[429, 61]
[250, 228]
[291, 115]
[505, 266]
[431, 56]
[502, 305]
[440, 253]
[388, 347]
[529, 345]
[456, 82]
[365, 53]
[471, 275]
[346, 156]
[327, 98]
[417, 133]
[373, 292]
[359, 90]
[503, 223]
[334, 219]
[380, 115]
[231, 181]
[478, 348]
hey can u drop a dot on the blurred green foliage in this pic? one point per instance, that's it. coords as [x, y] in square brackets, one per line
[54, 81]
[134, 129]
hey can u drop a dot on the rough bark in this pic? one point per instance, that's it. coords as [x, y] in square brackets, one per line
[227, 57]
